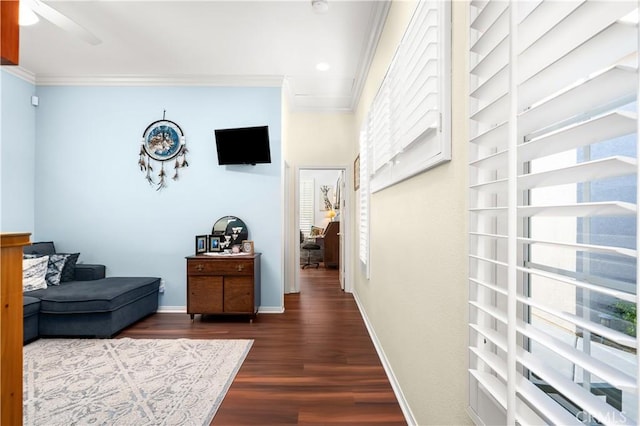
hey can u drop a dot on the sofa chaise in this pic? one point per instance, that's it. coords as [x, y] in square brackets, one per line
[91, 305]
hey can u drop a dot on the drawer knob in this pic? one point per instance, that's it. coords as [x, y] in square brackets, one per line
[199, 267]
[240, 268]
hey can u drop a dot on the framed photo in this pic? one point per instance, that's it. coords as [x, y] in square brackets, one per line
[201, 244]
[326, 198]
[214, 244]
[247, 246]
[356, 174]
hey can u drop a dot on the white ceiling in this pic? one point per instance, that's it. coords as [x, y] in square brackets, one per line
[231, 43]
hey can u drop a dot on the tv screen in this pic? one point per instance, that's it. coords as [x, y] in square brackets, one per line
[245, 145]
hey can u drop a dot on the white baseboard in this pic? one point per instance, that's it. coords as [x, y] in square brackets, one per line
[404, 406]
[172, 309]
[183, 309]
[271, 309]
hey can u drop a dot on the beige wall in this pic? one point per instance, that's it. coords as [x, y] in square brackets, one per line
[416, 298]
[312, 140]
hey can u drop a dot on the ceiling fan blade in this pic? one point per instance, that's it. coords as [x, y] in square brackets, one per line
[57, 18]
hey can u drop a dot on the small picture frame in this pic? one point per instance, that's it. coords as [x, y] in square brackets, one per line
[214, 244]
[247, 246]
[201, 244]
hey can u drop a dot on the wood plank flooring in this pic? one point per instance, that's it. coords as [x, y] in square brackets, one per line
[314, 364]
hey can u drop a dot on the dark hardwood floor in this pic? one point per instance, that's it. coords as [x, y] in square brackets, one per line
[314, 364]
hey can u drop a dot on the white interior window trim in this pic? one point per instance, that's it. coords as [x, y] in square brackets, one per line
[411, 113]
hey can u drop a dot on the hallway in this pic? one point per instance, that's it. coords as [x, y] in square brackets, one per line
[314, 364]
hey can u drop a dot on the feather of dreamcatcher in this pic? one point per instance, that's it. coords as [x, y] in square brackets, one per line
[148, 176]
[176, 166]
[161, 175]
[141, 161]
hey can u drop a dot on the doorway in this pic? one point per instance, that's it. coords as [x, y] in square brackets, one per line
[322, 204]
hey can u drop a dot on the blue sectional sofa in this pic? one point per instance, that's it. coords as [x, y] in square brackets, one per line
[91, 305]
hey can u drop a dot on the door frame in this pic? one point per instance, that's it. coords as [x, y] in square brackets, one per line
[345, 224]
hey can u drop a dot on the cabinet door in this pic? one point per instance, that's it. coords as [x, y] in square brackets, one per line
[205, 295]
[238, 294]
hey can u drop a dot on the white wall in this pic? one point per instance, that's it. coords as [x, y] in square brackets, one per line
[17, 143]
[416, 297]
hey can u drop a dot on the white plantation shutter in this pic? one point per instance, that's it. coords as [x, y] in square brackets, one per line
[306, 205]
[404, 132]
[365, 161]
[553, 214]
[408, 133]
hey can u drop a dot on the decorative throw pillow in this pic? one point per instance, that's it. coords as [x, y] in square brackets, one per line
[69, 269]
[33, 273]
[54, 266]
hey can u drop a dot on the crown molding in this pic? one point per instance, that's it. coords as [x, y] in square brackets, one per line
[20, 72]
[159, 80]
[377, 22]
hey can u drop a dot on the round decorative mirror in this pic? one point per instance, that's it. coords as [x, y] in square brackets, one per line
[231, 230]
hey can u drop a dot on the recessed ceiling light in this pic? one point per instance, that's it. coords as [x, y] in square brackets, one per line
[320, 6]
[26, 15]
[322, 66]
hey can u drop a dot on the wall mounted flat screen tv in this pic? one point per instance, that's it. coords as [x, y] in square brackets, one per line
[244, 145]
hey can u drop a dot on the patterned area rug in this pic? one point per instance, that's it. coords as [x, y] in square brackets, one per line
[128, 381]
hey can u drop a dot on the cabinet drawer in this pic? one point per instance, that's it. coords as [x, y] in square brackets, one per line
[225, 267]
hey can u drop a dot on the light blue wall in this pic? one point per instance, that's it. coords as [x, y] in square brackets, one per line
[92, 197]
[17, 147]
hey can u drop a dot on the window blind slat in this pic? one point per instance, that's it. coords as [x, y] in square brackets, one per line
[542, 19]
[497, 31]
[607, 86]
[488, 15]
[553, 412]
[607, 333]
[493, 62]
[491, 335]
[583, 247]
[613, 43]
[491, 162]
[494, 137]
[489, 286]
[601, 369]
[605, 208]
[495, 387]
[493, 113]
[492, 360]
[575, 392]
[579, 284]
[582, 172]
[604, 127]
[491, 187]
[494, 87]
[585, 21]
[489, 310]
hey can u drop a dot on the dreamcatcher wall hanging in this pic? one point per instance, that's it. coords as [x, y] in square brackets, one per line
[162, 141]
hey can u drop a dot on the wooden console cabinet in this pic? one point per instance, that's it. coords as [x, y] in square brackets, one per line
[11, 327]
[332, 245]
[223, 284]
